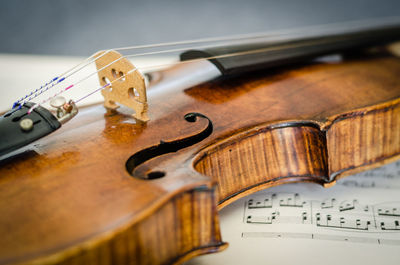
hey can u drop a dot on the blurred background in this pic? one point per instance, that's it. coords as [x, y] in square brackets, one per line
[81, 27]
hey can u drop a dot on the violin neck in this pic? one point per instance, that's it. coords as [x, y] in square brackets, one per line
[253, 56]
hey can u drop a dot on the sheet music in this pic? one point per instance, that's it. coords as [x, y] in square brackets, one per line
[355, 222]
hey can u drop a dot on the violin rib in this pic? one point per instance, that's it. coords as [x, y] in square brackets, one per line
[264, 157]
[303, 151]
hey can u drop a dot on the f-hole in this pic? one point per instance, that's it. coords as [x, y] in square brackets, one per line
[168, 147]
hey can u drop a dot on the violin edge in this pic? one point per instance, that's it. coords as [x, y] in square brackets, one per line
[149, 240]
[321, 151]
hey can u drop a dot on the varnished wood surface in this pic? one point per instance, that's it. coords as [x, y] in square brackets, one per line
[286, 154]
[69, 199]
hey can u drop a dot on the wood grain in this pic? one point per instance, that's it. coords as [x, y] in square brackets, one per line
[363, 137]
[127, 85]
[69, 198]
[192, 223]
[264, 157]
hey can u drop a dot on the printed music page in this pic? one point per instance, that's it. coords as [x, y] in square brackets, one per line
[355, 222]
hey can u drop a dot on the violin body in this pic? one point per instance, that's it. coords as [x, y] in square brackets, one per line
[108, 189]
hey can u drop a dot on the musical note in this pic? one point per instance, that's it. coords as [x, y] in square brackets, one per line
[262, 219]
[326, 220]
[264, 203]
[346, 206]
[393, 225]
[304, 218]
[360, 209]
[292, 201]
[328, 203]
[347, 215]
[359, 184]
[389, 211]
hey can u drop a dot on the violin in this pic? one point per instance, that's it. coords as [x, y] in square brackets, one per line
[142, 184]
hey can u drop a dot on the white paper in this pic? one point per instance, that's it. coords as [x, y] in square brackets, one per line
[355, 222]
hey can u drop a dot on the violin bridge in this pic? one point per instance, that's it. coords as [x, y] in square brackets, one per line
[127, 85]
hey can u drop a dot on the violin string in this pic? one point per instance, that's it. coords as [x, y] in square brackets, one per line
[266, 34]
[106, 85]
[104, 67]
[194, 60]
[188, 61]
[33, 94]
[247, 37]
[90, 59]
[60, 78]
[72, 85]
[164, 65]
[269, 34]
